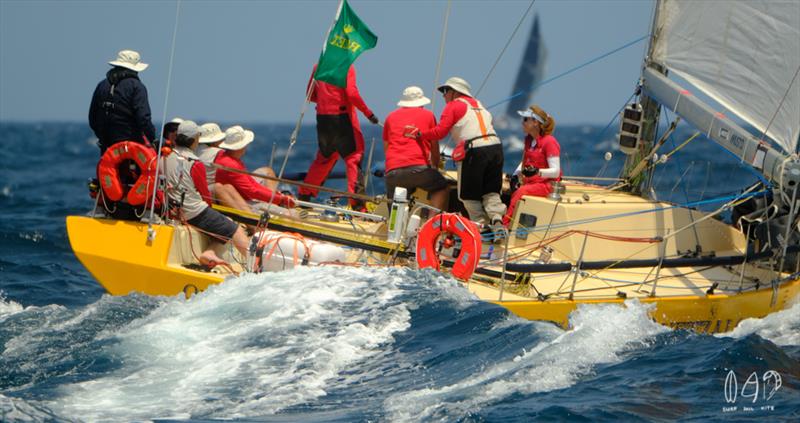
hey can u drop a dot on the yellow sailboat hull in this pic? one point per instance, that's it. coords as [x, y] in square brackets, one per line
[144, 266]
[119, 255]
[708, 313]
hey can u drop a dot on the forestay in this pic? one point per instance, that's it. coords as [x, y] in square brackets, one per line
[743, 54]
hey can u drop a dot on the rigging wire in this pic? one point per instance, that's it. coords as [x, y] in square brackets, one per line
[778, 109]
[163, 119]
[500, 56]
[441, 53]
[569, 71]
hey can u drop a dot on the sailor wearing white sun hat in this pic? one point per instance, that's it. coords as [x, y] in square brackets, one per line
[478, 153]
[120, 110]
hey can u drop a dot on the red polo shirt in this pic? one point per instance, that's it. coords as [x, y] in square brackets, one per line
[402, 151]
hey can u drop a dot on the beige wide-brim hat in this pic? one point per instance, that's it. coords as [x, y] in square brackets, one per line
[237, 138]
[413, 97]
[457, 84]
[210, 133]
[129, 59]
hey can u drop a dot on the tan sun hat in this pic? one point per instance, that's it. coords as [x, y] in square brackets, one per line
[210, 133]
[129, 59]
[413, 97]
[457, 84]
[237, 138]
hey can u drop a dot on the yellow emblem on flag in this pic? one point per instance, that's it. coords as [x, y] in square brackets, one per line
[348, 29]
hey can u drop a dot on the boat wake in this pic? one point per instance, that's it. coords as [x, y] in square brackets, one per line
[325, 343]
[782, 328]
[600, 335]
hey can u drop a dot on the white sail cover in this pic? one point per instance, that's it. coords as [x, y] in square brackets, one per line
[745, 54]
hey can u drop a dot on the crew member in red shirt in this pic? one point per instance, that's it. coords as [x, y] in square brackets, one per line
[235, 145]
[541, 162]
[412, 163]
[480, 171]
[338, 134]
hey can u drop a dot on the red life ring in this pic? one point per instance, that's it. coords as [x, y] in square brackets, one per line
[459, 226]
[108, 172]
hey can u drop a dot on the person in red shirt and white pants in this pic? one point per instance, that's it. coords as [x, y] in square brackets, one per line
[338, 134]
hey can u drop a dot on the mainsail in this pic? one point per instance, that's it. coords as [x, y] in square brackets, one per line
[743, 54]
[530, 73]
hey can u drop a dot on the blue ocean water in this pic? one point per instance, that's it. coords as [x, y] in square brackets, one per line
[346, 344]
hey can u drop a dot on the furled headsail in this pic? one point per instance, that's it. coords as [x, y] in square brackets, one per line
[531, 71]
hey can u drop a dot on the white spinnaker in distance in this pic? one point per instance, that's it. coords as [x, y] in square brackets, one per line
[743, 54]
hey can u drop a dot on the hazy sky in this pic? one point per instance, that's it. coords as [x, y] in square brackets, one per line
[249, 61]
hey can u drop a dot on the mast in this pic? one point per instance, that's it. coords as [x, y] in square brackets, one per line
[650, 110]
[771, 97]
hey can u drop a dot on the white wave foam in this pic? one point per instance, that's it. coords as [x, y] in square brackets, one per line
[18, 410]
[782, 328]
[601, 333]
[251, 346]
[8, 307]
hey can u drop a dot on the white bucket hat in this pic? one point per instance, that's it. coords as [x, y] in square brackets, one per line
[237, 138]
[176, 120]
[189, 129]
[129, 59]
[413, 97]
[457, 84]
[210, 133]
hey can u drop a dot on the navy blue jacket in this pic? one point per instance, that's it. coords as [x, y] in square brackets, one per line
[123, 114]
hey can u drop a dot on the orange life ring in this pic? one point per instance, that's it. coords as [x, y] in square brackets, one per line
[108, 172]
[459, 226]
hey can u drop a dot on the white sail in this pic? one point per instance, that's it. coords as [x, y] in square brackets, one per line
[743, 54]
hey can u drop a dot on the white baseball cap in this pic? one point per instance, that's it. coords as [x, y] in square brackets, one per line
[189, 129]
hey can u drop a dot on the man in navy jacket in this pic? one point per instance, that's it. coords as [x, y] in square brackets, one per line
[120, 109]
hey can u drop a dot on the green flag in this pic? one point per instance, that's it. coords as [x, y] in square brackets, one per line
[348, 38]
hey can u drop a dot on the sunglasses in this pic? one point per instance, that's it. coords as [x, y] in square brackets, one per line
[445, 90]
[525, 119]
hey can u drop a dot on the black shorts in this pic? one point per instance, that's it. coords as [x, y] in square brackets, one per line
[413, 177]
[481, 172]
[335, 135]
[214, 222]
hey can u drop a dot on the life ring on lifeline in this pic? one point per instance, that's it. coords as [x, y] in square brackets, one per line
[459, 226]
[108, 172]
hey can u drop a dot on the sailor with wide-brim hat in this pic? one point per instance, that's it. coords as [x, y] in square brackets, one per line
[120, 109]
[478, 152]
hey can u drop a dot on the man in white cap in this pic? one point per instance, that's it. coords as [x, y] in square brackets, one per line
[234, 147]
[480, 169]
[187, 186]
[120, 110]
[211, 136]
[411, 163]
